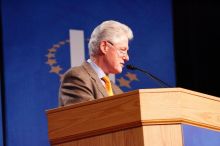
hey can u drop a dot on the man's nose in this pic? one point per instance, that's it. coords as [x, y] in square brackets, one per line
[126, 57]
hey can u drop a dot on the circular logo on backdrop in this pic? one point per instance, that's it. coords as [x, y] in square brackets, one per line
[56, 68]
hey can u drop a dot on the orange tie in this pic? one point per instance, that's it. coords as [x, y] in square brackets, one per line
[108, 85]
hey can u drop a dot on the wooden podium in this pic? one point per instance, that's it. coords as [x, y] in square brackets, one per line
[145, 117]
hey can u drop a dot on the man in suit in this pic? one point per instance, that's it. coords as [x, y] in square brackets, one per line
[108, 48]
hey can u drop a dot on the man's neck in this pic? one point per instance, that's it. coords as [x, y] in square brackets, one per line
[99, 62]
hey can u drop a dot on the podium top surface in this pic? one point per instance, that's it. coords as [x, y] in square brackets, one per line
[139, 91]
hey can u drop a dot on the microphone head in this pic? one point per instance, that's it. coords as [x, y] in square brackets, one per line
[131, 67]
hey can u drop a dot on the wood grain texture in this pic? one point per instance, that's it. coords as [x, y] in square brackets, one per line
[144, 107]
[163, 135]
[129, 137]
[157, 135]
[110, 114]
[180, 106]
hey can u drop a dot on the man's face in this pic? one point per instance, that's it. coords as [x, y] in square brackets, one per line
[116, 56]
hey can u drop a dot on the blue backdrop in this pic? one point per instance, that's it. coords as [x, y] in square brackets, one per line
[36, 53]
[195, 136]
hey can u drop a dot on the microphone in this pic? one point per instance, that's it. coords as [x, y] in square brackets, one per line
[160, 82]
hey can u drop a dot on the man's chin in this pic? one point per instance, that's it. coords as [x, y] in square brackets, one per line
[117, 71]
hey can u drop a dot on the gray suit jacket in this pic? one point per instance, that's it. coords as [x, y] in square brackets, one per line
[81, 84]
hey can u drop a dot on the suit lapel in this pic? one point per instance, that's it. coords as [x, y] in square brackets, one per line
[95, 77]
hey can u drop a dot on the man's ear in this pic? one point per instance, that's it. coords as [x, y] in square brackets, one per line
[103, 47]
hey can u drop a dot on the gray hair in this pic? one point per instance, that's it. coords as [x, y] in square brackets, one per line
[112, 31]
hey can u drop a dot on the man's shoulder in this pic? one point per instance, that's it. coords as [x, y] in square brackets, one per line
[82, 70]
[74, 70]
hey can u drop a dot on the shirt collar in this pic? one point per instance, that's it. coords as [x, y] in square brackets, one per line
[97, 69]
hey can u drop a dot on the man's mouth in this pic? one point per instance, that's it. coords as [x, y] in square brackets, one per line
[122, 64]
